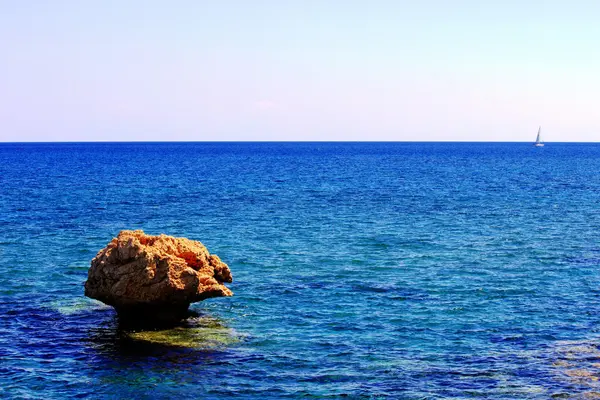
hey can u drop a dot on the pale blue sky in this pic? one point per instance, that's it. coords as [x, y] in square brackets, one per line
[299, 70]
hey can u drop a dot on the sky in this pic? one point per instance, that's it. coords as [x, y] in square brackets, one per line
[339, 70]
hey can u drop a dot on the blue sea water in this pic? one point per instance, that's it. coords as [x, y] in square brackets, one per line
[361, 270]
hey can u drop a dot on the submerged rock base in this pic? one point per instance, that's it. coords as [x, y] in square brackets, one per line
[152, 316]
[154, 279]
[199, 332]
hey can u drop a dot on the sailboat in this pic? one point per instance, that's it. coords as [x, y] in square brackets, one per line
[538, 140]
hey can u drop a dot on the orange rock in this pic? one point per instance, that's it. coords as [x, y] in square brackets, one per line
[155, 277]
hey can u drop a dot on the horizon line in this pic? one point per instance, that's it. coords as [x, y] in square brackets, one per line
[279, 141]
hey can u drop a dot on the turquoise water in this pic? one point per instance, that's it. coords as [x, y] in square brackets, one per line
[361, 270]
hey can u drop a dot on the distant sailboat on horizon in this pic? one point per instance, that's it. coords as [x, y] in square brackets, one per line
[538, 140]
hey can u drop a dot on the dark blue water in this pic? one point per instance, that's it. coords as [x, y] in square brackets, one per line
[400, 270]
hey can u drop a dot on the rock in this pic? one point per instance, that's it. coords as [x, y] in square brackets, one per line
[155, 278]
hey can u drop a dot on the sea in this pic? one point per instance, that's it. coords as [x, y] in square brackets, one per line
[360, 270]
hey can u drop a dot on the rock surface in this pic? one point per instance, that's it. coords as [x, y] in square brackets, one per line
[155, 277]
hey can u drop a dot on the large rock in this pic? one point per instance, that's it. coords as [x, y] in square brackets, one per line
[155, 278]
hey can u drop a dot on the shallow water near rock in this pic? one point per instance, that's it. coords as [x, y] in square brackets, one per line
[195, 333]
[361, 270]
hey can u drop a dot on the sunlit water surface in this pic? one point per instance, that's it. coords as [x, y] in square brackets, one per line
[400, 270]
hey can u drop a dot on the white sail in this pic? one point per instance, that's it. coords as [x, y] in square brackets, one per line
[538, 140]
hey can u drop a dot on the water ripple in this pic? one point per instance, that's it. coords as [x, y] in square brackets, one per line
[376, 270]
